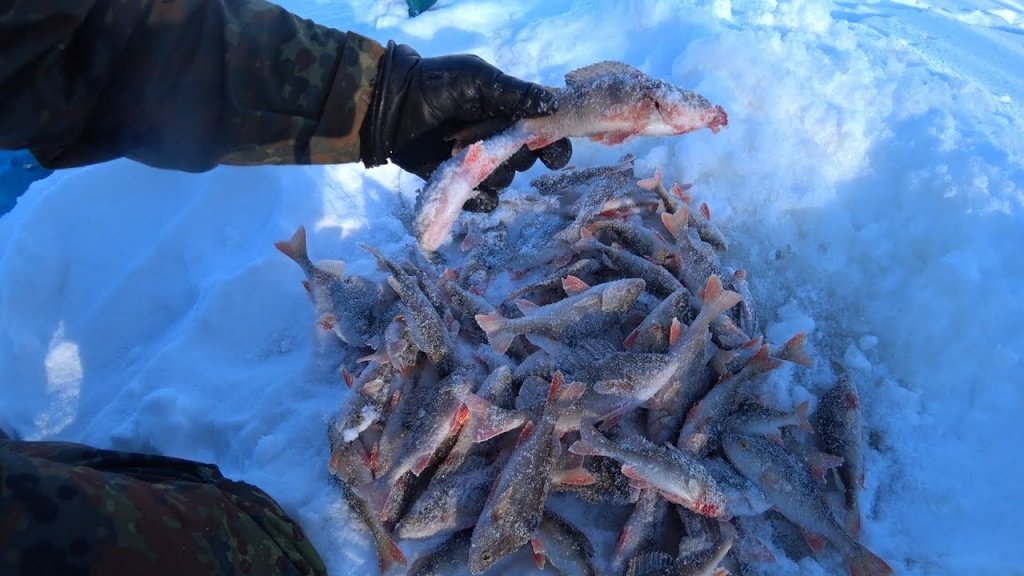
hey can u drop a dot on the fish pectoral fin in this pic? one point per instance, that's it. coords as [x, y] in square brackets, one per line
[503, 506]
[814, 540]
[579, 476]
[526, 307]
[612, 138]
[333, 267]
[584, 448]
[617, 138]
[631, 339]
[636, 479]
[820, 463]
[539, 558]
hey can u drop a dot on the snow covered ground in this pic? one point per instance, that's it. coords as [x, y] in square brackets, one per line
[871, 181]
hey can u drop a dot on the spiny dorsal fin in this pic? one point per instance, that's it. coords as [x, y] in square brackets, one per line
[598, 70]
[333, 267]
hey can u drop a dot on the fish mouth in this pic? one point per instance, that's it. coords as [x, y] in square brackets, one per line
[682, 116]
[719, 118]
[714, 118]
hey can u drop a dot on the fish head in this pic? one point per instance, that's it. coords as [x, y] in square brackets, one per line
[744, 453]
[425, 522]
[620, 295]
[491, 545]
[672, 111]
[710, 501]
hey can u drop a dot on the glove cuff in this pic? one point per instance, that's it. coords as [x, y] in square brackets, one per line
[377, 135]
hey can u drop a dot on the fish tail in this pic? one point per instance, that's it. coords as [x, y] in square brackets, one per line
[863, 562]
[295, 247]
[557, 380]
[498, 334]
[652, 182]
[584, 448]
[801, 417]
[591, 442]
[378, 493]
[820, 463]
[716, 301]
[490, 420]
[795, 350]
[705, 211]
[676, 223]
[762, 362]
[853, 521]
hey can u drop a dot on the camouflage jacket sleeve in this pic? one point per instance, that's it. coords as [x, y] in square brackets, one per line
[182, 84]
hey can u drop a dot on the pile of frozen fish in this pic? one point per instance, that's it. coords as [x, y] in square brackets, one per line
[581, 348]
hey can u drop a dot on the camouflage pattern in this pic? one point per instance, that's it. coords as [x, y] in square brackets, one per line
[183, 84]
[72, 509]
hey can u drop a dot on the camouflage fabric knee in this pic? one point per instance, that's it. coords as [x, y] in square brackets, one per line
[73, 509]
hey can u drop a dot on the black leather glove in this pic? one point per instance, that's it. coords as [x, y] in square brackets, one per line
[419, 104]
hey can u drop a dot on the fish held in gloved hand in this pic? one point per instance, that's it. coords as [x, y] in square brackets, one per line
[608, 102]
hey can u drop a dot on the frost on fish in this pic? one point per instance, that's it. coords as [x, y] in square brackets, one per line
[676, 475]
[564, 546]
[593, 362]
[516, 504]
[798, 496]
[451, 503]
[842, 434]
[455, 181]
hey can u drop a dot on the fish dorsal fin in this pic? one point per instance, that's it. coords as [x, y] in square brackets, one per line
[572, 285]
[503, 505]
[607, 68]
[333, 267]
[526, 307]
[596, 349]
[651, 563]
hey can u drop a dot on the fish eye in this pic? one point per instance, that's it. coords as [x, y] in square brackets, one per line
[657, 105]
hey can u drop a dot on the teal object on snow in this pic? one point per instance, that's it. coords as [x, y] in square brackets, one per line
[18, 169]
[417, 7]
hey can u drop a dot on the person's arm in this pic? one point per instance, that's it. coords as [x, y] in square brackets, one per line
[74, 509]
[182, 84]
